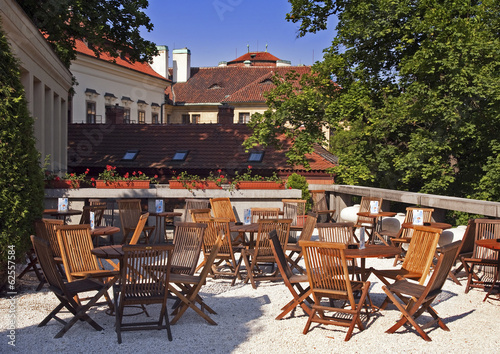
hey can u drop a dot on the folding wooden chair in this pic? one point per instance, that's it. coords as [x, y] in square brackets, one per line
[292, 281]
[188, 239]
[320, 206]
[130, 212]
[263, 213]
[98, 211]
[367, 222]
[141, 284]
[295, 251]
[191, 204]
[222, 208]
[200, 214]
[465, 250]
[414, 299]
[66, 292]
[187, 288]
[329, 278]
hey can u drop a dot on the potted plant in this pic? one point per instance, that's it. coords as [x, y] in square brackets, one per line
[69, 180]
[187, 181]
[248, 180]
[109, 178]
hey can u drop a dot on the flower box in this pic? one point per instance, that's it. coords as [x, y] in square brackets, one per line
[260, 185]
[175, 184]
[62, 183]
[136, 184]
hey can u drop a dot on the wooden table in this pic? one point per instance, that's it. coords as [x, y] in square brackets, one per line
[161, 219]
[62, 214]
[376, 223]
[437, 225]
[104, 231]
[492, 244]
[371, 251]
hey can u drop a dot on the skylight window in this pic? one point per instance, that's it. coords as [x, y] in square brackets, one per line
[130, 155]
[180, 155]
[256, 156]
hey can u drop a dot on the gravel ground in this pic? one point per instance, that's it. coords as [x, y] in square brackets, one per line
[246, 324]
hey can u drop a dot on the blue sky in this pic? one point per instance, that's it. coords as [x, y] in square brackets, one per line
[220, 30]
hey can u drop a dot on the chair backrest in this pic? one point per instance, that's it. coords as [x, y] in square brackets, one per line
[308, 229]
[139, 275]
[318, 198]
[468, 240]
[279, 255]
[327, 270]
[263, 244]
[407, 232]
[197, 214]
[222, 208]
[109, 213]
[216, 227]
[76, 245]
[45, 257]
[188, 239]
[130, 211]
[138, 229]
[341, 232]
[364, 206]
[421, 251]
[98, 211]
[445, 262]
[294, 209]
[46, 229]
[486, 229]
[263, 213]
[191, 204]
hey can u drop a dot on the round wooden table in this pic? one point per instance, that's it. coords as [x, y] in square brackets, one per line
[492, 244]
[371, 251]
[436, 225]
[377, 223]
[104, 231]
[161, 220]
[62, 214]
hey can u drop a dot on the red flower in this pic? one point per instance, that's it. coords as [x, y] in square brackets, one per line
[221, 176]
[289, 187]
[219, 180]
[109, 167]
[249, 167]
[219, 170]
[126, 175]
[72, 174]
[57, 179]
[92, 179]
[140, 172]
[87, 171]
[178, 177]
[155, 176]
[134, 173]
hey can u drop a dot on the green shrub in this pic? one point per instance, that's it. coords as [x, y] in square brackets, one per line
[297, 181]
[21, 179]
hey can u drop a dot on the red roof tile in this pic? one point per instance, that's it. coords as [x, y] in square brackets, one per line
[257, 59]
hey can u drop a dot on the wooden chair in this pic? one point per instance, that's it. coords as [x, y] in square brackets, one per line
[222, 208]
[262, 253]
[141, 284]
[32, 266]
[415, 299]
[294, 209]
[187, 287]
[418, 260]
[197, 214]
[292, 281]
[329, 278]
[130, 211]
[320, 206]
[481, 267]
[188, 239]
[224, 263]
[143, 219]
[465, 250]
[263, 213]
[403, 236]
[76, 244]
[295, 251]
[98, 211]
[191, 204]
[66, 292]
[367, 222]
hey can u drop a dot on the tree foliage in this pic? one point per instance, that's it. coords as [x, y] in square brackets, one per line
[108, 25]
[21, 178]
[416, 100]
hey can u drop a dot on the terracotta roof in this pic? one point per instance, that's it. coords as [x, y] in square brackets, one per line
[257, 58]
[144, 68]
[211, 146]
[228, 84]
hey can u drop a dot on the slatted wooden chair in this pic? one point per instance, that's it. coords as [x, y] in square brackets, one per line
[320, 206]
[191, 204]
[465, 250]
[188, 239]
[222, 208]
[143, 219]
[262, 253]
[294, 209]
[130, 211]
[481, 267]
[76, 244]
[187, 287]
[294, 255]
[141, 284]
[294, 282]
[367, 222]
[418, 260]
[66, 292]
[263, 213]
[403, 236]
[329, 278]
[415, 299]
[197, 214]
[98, 211]
[225, 263]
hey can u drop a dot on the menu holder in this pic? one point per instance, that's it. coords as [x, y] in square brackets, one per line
[92, 220]
[159, 205]
[62, 204]
[374, 207]
[362, 238]
[418, 217]
[247, 216]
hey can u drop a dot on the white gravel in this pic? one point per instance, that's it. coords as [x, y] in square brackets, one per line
[246, 324]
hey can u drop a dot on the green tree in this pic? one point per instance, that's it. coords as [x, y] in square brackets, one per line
[414, 99]
[21, 178]
[107, 25]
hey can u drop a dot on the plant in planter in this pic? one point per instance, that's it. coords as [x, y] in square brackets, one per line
[297, 181]
[109, 178]
[188, 181]
[248, 180]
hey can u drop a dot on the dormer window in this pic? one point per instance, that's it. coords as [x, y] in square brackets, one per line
[91, 94]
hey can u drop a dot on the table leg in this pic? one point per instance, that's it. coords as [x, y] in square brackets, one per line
[494, 280]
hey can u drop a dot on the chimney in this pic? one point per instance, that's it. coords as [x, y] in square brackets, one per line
[181, 64]
[225, 116]
[223, 63]
[247, 63]
[160, 62]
